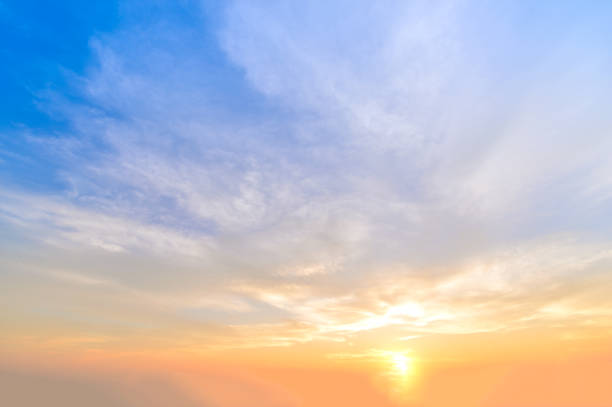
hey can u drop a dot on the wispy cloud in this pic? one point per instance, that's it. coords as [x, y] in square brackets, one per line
[299, 179]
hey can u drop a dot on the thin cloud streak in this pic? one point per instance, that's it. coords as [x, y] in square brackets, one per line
[384, 180]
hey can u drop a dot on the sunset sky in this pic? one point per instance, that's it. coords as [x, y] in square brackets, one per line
[306, 203]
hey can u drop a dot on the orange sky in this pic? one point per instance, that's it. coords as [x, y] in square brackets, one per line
[528, 368]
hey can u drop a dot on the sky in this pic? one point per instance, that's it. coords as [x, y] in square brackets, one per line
[255, 203]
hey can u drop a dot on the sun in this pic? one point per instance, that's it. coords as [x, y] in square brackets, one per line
[402, 365]
[400, 373]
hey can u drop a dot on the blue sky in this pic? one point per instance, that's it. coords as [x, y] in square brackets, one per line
[256, 162]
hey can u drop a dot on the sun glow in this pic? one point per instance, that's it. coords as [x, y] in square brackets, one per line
[402, 365]
[400, 374]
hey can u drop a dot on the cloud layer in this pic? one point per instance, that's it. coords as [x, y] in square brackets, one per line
[310, 172]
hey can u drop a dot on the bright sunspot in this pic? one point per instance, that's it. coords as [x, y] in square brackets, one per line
[401, 364]
[400, 374]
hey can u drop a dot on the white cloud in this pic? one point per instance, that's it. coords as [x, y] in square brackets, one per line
[379, 147]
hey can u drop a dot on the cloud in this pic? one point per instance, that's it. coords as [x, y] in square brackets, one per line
[302, 179]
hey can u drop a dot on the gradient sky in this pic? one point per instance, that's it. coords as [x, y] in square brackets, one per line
[315, 203]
